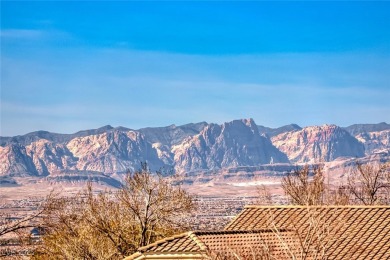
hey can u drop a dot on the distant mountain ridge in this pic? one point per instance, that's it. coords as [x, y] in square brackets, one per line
[172, 135]
[108, 151]
[367, 128]
[231, 144]
[318, 144]
[54, 137]
[276, 131]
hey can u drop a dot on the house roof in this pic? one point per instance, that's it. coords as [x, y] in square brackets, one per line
[222, 244]
[354, 232]
[285, 232]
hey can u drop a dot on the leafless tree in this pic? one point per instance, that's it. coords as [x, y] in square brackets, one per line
[10, 224]
[264, 196]
[369, 183]
[157, 207]
[86, 226]
[304, 188]
[338, 195]
[112, 225]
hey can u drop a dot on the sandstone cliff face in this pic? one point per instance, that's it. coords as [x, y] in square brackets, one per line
[237, 143]
[357, 129]
[318, 144]
[164, 153]
[14, 161]
[280, 130]
[375, 141]
[49, 157]
[171, 135]
[114, 151]
[163, 138]
[110, 152]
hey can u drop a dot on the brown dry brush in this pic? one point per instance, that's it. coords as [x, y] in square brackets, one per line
[303, 187]
[158, 207]
[264, 196]
[339, 195]
[8, 224]
[113, 225]
[16, 239]
[69, 233]
[11, 225]
[369, 183]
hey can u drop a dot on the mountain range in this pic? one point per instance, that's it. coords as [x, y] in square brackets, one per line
[197, 147]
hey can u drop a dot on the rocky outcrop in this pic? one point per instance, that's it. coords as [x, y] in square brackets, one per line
[237, 143]
[49, 157]
[110, 152]
[318, 144]
[113, 151]
[375, 141]
[171, 135]
[367, 128]
[14, 161]
[163, 138]
[280, 130]
[52, 137]
[375, 137]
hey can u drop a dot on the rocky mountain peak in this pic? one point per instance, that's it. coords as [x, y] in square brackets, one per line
[171, 135]
[318, 143]
[113, 151]
[236, 143]
[367, 128]
[276, 131]
[375, 142]
[14, 161]
[236, 126]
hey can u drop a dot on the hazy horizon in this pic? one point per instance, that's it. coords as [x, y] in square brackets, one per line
[159, 126]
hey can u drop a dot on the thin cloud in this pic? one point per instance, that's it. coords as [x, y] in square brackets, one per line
[138, 89]
[21, 33]
[35, 35]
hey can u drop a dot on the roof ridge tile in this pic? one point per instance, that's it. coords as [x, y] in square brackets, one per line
[196, 239]
[316, 206]
[161, 241]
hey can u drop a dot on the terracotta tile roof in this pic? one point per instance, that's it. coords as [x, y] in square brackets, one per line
[223, 244]
[345, 232]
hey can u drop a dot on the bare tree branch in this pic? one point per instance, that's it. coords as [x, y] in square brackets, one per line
[113, 225]
[370, 183]
[304, 188]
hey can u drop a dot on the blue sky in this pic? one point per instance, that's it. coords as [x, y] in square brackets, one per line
[68, 66]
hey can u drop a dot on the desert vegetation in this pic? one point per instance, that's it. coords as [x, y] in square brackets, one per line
[367, 184]
[303, 189]
[113, 225]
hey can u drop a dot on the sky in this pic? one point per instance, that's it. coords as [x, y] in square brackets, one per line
[73, 65]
